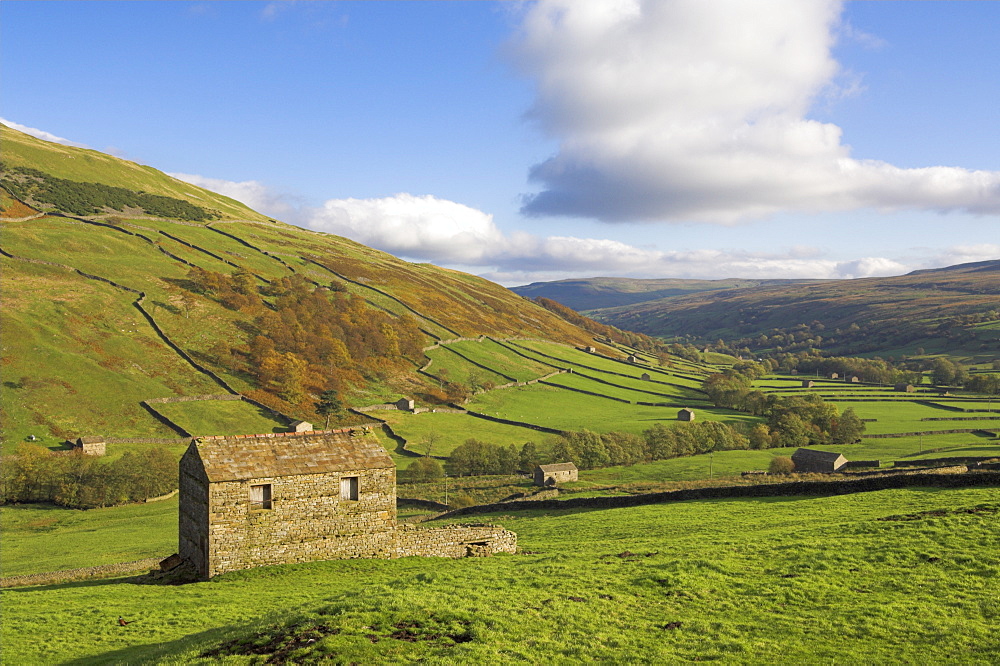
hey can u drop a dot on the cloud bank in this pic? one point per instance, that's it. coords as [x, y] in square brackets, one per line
[693, 110]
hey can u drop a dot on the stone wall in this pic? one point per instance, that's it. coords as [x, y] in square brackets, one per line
[309, 520]
[102, 571]
[454, 541]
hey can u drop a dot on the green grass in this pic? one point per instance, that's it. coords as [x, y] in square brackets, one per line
[451, 430]
[39, 538]
[783, 580]
[220, 417]
[566, 410]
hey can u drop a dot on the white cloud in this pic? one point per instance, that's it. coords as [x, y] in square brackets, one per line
[41, 134]
[694, 110]
[253, 193]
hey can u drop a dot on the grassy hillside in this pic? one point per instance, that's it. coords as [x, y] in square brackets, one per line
[883, 577]
[101, 311]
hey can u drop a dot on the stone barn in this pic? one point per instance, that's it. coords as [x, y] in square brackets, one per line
[632, 358]
[810, 460]
[590, 350]
[854, 379]
[405, 404]
[255, 500]
[834, 375]
[301, 426]
[93, 445]
[646, 377]
[550, 475]
[808, 383]
[685, 415]
[904, 388]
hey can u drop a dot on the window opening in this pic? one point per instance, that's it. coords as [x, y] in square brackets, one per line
[260, 496]
[349, 487]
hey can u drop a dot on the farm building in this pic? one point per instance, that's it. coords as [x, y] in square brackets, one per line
[301, 426]
[854, 379]
[904, 388]
[807, 383]
[795, 372]
[685, 415]
[646, 377]
[632, 358]
[91, 446]
[810, 460]
[255, 500]
[550, 475]
[404, 404]
[590, 350]
[834, 375]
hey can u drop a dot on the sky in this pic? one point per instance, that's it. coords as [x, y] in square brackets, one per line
[532, 141]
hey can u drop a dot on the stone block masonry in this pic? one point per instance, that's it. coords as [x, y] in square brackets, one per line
[257, 500]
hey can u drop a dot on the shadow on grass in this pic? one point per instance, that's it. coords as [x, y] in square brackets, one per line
[156, 652]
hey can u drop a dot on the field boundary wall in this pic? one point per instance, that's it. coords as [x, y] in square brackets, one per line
[794, 488]
[102, 571]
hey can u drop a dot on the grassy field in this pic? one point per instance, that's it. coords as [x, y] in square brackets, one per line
[39, 538]
[438, 434]
[725, 580]
[220, 417]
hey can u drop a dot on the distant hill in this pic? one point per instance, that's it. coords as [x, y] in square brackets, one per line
[122, 284]
[588, 294]
[951, 308]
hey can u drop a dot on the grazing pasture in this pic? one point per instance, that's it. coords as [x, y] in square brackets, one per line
[892, 576]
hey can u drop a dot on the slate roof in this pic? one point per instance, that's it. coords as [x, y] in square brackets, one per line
[558, 467]
[239, 457]
[813, 454]
[91, 439]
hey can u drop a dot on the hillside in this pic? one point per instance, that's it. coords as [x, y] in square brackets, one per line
[952, 309]
[127, 303]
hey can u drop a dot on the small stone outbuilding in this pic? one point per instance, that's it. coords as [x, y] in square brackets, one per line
[811, 460]
[904, 388]
[590, 350]
[632, 358]
[646, 377]
[301, 426]
[405, 404]
[93, 445]
[550, 475]
[854, 379]
[807, 383]
[255, 500]
[685, 414]
[834, 375]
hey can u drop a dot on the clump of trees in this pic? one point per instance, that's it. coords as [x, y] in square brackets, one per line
[93, 198]
[72, 479]
[792, 420]
[307, 339]
[422, 470]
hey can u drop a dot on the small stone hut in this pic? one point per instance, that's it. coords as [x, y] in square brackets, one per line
[255, 500]
[590, 350]
[93, 445]
[301, 426]
[550, 475]
[632, 358]
[808, 383]
[904, 388]
[685, 414]
[646, 377]
[854, 379]
[404, 404]
[811, 460]
[834, 375]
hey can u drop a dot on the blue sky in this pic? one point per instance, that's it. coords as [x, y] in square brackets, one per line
[553, 139]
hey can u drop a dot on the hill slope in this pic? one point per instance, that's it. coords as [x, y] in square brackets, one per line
[107, 309]
[954, 307]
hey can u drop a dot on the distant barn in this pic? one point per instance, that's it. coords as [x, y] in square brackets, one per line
[301, 426]
[685, 415]
[93, 445]
[811, 460]
[550, 475]
[904, 388]
[807, 383]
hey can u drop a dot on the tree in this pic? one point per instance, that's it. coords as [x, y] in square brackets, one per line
[847, 428]
[781, 465]
[329, 405]
[422, 470]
